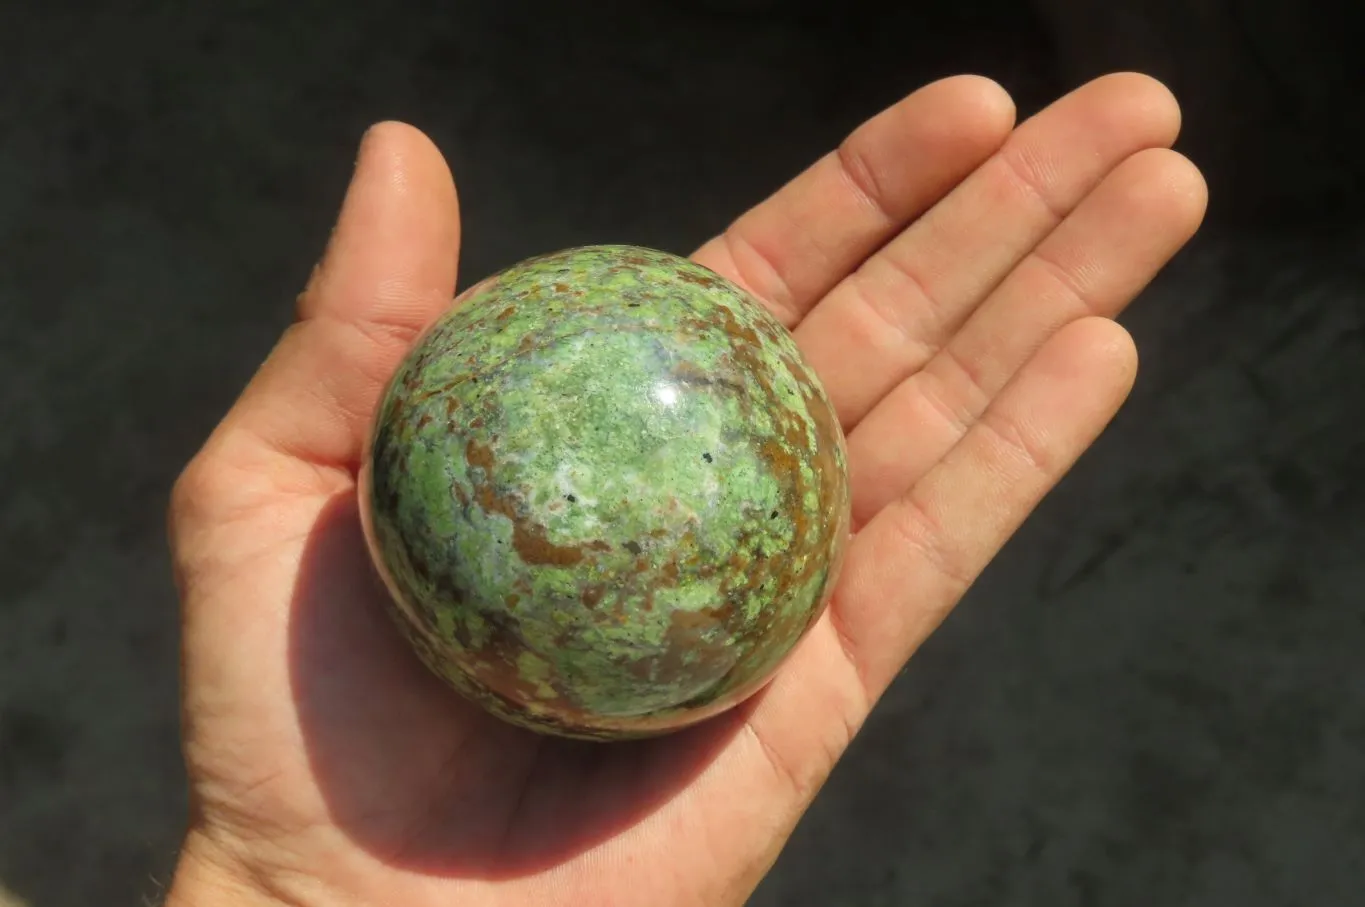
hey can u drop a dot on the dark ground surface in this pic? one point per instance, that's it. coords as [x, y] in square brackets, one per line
[1155, 696]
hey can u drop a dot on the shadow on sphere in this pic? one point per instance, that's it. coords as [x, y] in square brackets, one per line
[423, 780]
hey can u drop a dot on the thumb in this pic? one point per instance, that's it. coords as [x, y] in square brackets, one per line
[389, 269]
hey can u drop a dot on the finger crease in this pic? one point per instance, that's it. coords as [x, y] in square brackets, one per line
[774, 289]
[849, 647]
[1023, 176]
[1008, 433]
[970, 388]
[920, 531]
[933, 390]
[863, 180]
[1066, 280]
[381, 331]
[888, 314]
[781, 767]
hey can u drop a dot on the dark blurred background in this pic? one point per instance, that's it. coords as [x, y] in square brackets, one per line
[1156, 695]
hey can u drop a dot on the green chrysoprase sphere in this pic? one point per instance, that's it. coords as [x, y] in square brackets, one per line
[606, 494]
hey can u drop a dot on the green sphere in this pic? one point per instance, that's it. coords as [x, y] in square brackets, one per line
[606, 494]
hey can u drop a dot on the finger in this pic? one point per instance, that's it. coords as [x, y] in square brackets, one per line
[908, 568]
[792, 248]
[895, 312]
[388, 270]
[1095, 263]
[913, 561]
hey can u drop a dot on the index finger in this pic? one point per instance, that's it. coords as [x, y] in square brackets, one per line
[793, 248]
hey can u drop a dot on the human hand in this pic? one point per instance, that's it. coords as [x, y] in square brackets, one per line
[953, 280]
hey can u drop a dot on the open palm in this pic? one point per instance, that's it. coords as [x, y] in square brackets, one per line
[953, 280]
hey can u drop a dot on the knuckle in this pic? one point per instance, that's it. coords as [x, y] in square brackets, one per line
[194, 489]
[211, 486]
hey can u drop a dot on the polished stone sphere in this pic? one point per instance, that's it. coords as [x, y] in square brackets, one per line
[606, 494]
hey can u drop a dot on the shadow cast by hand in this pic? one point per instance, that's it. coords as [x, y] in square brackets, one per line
[419, 778]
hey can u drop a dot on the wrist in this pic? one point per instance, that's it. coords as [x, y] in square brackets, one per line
[205, 876]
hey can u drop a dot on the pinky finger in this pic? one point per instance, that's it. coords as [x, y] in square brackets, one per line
[913, 561]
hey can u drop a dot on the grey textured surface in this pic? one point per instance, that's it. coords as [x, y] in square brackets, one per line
[1153, 697]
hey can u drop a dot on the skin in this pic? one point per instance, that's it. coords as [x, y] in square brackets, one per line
[951, 276]
[606, 494]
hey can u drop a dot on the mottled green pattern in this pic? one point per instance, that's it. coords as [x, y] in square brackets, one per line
[606, 493]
